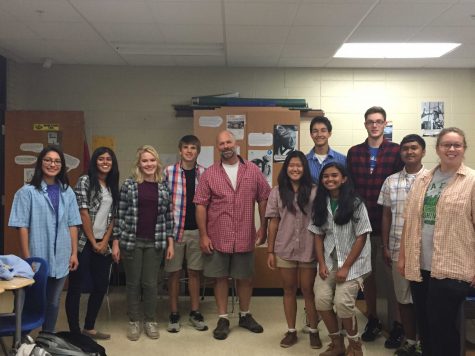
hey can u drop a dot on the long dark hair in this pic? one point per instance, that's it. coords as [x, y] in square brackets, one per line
[112, 178]
[348, 200]
[61, 177]
[286, 192]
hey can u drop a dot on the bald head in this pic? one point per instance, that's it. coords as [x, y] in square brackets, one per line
[226, 144]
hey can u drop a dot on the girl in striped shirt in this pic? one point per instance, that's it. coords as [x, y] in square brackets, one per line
[341, 226]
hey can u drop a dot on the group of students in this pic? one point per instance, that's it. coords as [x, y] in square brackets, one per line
[320, 215]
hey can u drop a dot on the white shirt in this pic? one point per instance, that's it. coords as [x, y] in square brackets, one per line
[100, 222]
[232, 171]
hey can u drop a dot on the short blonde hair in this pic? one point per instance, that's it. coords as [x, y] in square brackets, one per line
[137, 173]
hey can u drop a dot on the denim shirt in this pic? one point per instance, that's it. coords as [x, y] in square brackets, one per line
[32, 209]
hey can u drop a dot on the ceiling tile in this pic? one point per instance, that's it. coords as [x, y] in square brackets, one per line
[187, 12]
[130, 32]
[260, 14]
[404, 14]
[253, 50]
[41, 10]
[256, 34]
[459, 15]
[14, 29]
[331, 14]
[317, 34]
[383, 34]
[323, 50]
[64, 30]
[445, 34]
[136, 11]
[192, 33]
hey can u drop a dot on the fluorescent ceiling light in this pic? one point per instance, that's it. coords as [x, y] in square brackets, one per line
[394, 50]
[192, 49]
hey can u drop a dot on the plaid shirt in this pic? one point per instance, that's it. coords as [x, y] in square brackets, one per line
[128, 214]
[176, 180]
[454, 233]
[230, 213]
[315, 165]
[368, 185]
[393, 195]
[92, 206]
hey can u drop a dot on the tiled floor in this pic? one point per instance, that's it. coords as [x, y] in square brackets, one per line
[267, 310]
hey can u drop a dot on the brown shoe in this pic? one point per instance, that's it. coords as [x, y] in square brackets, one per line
[336, 347]
[354, 348]
[315, 342]
[289, 339]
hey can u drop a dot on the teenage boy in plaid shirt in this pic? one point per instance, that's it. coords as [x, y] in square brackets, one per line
[182, 179]
[369, 164]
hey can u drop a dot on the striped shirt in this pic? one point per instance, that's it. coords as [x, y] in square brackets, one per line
[393, 195]
[127, 215]
[230, 212]
[315, 165]
[176, 180]
[368, 185]
[92, 205]
[454, 233]
[341, 238]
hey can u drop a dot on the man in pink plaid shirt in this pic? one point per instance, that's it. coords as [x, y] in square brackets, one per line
[225, 202]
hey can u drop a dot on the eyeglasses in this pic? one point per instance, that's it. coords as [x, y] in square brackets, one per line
[447, 146]
[49, 161]
[377, 123]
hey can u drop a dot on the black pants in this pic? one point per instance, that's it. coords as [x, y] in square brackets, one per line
[93, 271]
[437, 303]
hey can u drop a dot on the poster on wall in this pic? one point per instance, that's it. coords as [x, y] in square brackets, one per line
[432, 117]
[235, 124]
[285, 141]
[263, 160]
[388, 131]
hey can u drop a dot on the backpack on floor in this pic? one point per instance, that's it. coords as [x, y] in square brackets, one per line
[29, 348]
[69, 344]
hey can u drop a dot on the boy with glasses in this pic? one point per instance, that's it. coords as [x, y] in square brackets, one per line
[369, 164]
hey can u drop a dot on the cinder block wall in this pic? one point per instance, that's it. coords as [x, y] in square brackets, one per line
[134, 104]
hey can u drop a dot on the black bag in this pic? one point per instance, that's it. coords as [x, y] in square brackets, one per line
[70, 344]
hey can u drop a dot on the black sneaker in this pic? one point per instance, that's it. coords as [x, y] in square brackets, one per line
[198, 321]
[372, 330]
[222, 329]
[396, 336]
[249, 323]
[173, 323]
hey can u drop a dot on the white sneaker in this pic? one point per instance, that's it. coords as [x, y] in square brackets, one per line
[151, 329]
[133, 330]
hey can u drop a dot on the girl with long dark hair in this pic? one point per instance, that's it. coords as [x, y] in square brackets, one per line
[97, 195]
[47, 215]
[341, 225]
[291, 245]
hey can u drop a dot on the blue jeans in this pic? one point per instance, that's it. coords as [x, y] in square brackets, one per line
[54, 287]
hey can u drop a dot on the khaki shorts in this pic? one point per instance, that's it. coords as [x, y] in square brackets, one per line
[235, 265]
[281, 263]
[188, 248]
[328, 293]
[402, 287]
